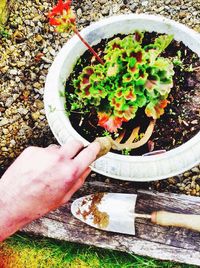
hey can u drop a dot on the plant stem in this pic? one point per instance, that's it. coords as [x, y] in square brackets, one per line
[88, 46]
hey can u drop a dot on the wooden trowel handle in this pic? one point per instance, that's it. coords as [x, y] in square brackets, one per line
[165, 218]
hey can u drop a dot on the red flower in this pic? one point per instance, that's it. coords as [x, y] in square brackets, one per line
[157, 110]
[59, 8]
[110, 122]
[163, 103]
[62, 16]
[54, 22]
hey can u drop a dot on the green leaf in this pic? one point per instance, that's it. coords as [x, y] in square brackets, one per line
[141, 101]
[127, 78]
[113, 70]
[162, 42]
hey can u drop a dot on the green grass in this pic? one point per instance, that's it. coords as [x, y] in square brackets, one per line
[22, 251]
[4, 33]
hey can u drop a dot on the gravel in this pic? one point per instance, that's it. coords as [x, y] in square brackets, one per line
[27, 53]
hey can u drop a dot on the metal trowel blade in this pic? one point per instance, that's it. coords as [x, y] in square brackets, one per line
[112, 212]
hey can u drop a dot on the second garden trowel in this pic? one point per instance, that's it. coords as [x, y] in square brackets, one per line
[115, 212]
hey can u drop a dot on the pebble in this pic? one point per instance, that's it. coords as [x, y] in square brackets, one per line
[17, 79]
[195, 170]
[79, 12]
[52, 51]
[38, 38]
[102, 2]
[37, 85]
[35, 115]
[22, 110]
[12, 142]
[182, 15]
[145, 3]
[13, 72]
[4, 122]
[21, 64]
[5, 131]
[133, 6]
[39, 104]
[9, 101]
[105, 11]
[116, 8]
[46, 60]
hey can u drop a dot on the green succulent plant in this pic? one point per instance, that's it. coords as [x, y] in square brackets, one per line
[133, 76]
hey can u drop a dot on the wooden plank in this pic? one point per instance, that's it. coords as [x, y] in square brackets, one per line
[75, 233]
[4, 10]
[178, 237]
[175, 244]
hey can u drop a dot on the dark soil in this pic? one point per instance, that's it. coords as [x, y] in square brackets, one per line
[181, 120]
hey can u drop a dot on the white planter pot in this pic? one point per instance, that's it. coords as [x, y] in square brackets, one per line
[132, 168]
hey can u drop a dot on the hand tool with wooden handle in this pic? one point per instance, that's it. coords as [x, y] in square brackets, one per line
[115, 212]
[106, 143]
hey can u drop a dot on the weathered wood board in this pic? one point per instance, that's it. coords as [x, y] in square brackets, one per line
[164, 243]
[4, 10]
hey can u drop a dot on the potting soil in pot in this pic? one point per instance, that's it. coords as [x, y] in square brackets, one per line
[179, 123]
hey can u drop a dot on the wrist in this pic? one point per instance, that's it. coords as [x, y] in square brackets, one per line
[11, 220]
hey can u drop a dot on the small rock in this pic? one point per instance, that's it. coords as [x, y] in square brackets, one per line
[39, 104]
[186, 174]
[9, 101]
[17, 79]
[38, 38]
[35, 115]
[5, 131]
[37, 85]
[52, 51]
[13, 72]
[182, 14]
[46, 60]
[172, 180]
[193, 185]
[79, 12]
[12, 142]
[195, 169]
[22, 110]
[193, 192]
[4, 122]
[25, 94]
[194, 122]
[197, 28]
[4, 149]
[197, 187]
[4, 69]
[133, 7]
[144, 3]
[116, 8]
[21, 64]
[105, 11]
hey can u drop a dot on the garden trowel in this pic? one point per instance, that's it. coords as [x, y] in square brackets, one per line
[115, 212]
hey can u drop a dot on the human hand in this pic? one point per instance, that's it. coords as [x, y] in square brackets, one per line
[40, 180]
